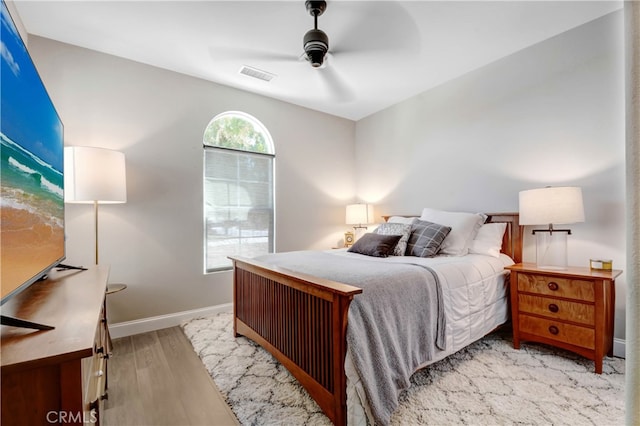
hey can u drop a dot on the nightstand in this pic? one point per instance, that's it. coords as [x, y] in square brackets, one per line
[571, 309]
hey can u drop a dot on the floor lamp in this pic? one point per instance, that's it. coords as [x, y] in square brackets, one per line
[94, 176]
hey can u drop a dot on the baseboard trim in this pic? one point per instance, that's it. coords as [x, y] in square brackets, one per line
[144, 325]
[619, 347]
[129, 328]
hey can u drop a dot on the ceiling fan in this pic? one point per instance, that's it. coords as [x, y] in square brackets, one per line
[315, 41]
[316, 48]
[369, 31]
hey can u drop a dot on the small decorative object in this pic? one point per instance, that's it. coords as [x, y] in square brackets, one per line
[601, 265]
[349, 238]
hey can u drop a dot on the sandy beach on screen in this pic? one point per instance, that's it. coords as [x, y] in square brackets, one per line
[27, 245]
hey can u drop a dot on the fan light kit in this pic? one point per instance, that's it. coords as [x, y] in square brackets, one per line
[315, 42]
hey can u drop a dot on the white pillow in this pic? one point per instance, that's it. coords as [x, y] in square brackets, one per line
[402, 219]
[489, 239]
[464, 227]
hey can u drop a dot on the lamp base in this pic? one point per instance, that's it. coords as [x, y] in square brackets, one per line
[359, 231]
[551, 249]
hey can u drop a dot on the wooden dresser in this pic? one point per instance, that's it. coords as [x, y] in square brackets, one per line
[571, 309]
[59, 375]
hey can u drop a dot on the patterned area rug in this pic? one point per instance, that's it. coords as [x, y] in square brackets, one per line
[487, 383]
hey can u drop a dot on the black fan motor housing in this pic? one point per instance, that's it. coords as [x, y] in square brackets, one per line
[315, 41]
[316, 45]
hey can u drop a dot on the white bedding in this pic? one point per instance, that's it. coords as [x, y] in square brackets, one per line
[475, 293]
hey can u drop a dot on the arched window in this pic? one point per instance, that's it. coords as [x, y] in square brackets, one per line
[238, 189]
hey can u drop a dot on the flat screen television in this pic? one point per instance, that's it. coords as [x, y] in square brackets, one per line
[32, 184]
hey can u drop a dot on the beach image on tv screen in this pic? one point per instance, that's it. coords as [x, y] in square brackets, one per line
[32, 202]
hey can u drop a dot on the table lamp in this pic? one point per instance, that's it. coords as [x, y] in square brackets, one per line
[551, 206]
[359, 215]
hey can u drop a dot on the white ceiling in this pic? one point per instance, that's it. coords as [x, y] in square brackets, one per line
[382, 52]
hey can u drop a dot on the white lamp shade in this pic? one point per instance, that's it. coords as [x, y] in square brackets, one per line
[358, 214]
[551, 205]
[94, 174]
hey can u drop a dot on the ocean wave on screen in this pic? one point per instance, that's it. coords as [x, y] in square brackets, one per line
[12, 198]
[12, 145]
[17, 199]
[44, 182]
[19, 166]
[51, 187]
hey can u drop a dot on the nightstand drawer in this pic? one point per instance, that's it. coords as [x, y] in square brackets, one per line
[555, 330]
[557, 287]
[558, 309]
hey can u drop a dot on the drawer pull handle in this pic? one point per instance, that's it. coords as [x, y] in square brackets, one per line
[553, 307]
[99, 373]
[553, 329]
[553, 286]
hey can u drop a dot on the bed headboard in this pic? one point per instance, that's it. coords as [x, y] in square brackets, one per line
[512, 239]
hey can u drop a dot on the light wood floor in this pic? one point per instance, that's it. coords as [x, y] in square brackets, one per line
[157, 379]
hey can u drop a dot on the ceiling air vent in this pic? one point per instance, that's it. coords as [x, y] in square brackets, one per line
[256, 73]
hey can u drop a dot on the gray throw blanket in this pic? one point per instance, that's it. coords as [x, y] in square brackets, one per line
[394, 326]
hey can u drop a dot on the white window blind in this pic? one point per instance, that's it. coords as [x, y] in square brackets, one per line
[238, 204]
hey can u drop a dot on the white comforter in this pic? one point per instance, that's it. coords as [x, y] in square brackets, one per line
[475, 293]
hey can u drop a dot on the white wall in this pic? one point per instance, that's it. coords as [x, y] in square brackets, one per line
[552, 114]
[17, 21]
[157, 118]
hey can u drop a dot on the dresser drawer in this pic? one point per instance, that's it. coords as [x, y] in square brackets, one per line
[557, 287]
[94, 369]
[581, 313]
[558, 331]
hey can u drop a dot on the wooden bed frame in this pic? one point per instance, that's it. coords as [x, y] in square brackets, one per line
[302, 320]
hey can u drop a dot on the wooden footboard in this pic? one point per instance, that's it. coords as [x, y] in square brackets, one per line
[302, 321]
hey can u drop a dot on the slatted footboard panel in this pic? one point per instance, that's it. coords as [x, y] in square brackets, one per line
[302, 321]
[297, 324]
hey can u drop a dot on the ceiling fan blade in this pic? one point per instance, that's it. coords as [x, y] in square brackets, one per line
[222, 53]
[337, 86]
[380, 25]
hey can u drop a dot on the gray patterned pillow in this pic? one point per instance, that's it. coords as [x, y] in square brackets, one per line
[426, 238]
[396, 229]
